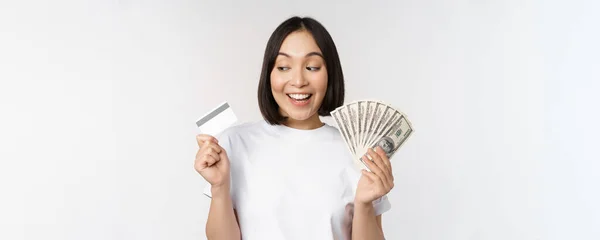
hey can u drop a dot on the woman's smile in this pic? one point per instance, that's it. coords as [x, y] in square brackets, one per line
[299, 99]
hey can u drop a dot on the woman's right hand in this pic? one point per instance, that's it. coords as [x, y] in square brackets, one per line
[212, 161]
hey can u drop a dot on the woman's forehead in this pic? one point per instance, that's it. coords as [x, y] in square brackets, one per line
[299, 44]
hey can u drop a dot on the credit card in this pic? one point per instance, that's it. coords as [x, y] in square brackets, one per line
[217, 120]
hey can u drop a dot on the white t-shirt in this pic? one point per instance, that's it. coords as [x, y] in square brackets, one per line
[288, 183]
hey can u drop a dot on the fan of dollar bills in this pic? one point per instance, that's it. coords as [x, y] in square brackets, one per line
[368, 123]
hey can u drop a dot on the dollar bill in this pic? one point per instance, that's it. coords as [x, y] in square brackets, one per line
[359, 116]
[345, 119]
[376, 115]
[369, 123]
[394, 117]
[353, 112]
[342, 128]
[362, 114]
[394, 137]
[370, 112]
[382, 115]
[381, 120]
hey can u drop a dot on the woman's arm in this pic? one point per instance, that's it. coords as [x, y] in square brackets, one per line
[222, 221]
[372, 185]
[213, 164]
[365, 224]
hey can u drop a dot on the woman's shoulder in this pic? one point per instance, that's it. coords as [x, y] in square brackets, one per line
[331, 129]
[332, 132]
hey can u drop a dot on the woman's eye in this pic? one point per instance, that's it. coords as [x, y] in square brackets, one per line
[283, 68]
[313, 68]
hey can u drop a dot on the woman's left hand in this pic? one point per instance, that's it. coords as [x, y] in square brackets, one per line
[377, 183]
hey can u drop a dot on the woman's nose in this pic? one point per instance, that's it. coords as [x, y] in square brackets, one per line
[298, 79]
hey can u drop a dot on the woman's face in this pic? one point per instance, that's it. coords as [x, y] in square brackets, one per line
[299, 77]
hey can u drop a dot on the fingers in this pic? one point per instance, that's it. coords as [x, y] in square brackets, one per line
[210, 151]
[380, 190]
[208, 154]
[205, 161]
[382, 161]
[222, 153]
[210, 146]
[371, 176]
[384, 157]
[379, 168]
[202, 138]
[375, 170]
[376, 165]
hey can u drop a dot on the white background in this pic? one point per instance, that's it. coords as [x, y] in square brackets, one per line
[98, 101]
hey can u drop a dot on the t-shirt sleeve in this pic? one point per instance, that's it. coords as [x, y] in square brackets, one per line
[225, 142]
[207, 190]
[382, 205]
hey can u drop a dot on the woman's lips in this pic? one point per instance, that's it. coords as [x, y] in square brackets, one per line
[300, 103]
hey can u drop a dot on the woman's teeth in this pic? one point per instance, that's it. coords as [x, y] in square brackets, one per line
[299, 96]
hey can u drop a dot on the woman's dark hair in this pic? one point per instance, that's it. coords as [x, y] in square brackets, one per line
[334, 97]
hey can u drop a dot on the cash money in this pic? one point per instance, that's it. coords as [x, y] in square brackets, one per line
[370, 123]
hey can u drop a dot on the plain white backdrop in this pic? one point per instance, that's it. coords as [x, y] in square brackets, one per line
[98, 101]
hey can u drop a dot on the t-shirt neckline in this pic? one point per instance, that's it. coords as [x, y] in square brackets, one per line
[283, 129]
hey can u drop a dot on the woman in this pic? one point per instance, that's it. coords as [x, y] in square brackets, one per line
[291, 176]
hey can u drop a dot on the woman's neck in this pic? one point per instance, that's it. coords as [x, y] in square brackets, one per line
[313, 122]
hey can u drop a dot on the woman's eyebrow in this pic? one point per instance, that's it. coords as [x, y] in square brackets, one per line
[307, 55]
[315, 54]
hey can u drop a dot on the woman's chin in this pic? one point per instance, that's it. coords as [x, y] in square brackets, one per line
[299, 117]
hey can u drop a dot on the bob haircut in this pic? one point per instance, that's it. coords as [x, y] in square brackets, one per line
[334, 96]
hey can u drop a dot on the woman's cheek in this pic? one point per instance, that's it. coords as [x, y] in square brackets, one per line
[276, 82]
[322, 82]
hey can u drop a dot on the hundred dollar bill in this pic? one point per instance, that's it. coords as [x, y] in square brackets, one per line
[345, 119]
[353, 111]
[369, 125]
[394, 117]
[376, 113]
[395, 136]
[362, 114]
[382, 113]
[359, 122]
[342, 128]
[348, 120]
[385, 113]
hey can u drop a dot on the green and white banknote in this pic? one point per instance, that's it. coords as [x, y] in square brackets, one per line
[367, 124]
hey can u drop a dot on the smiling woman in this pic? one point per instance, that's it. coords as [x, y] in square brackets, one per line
[299, 81]
[290, 175]
[300, 58]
